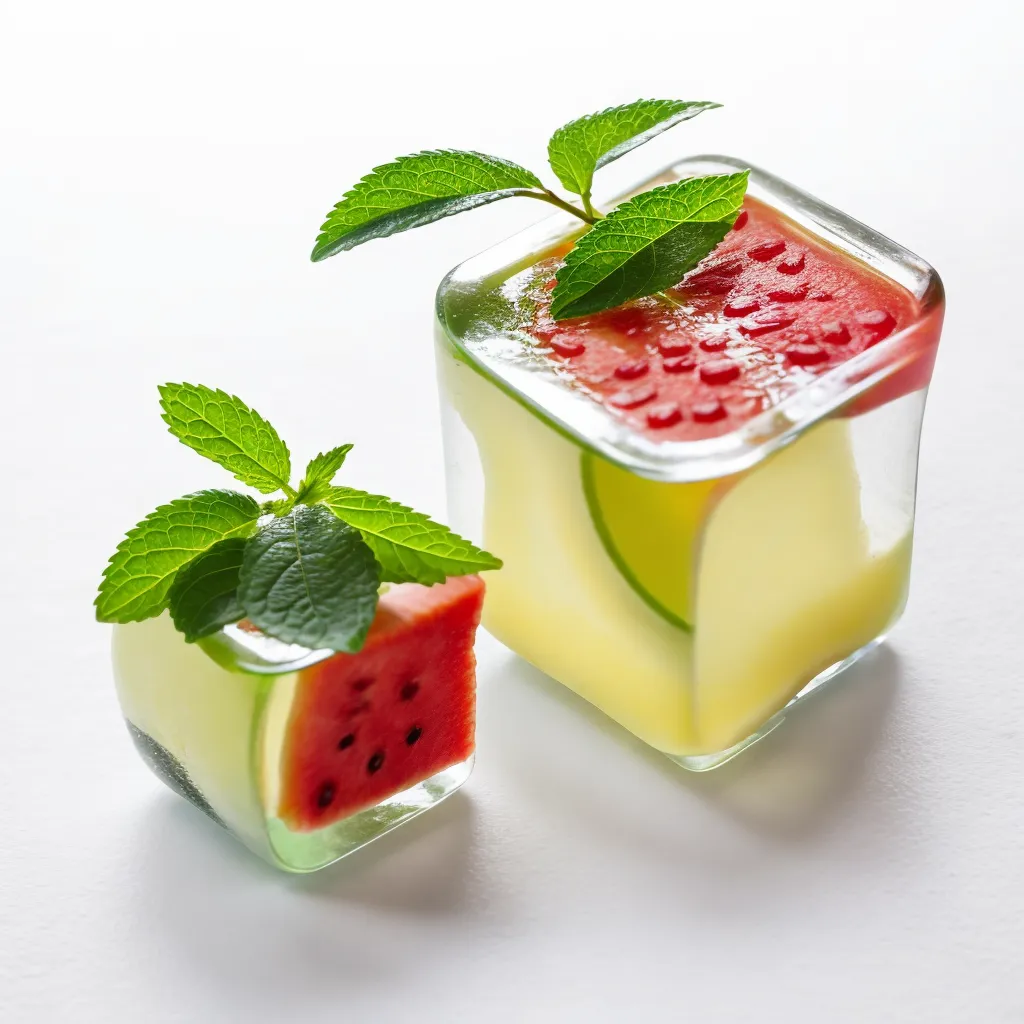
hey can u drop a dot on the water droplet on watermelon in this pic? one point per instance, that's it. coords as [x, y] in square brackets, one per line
[708, 412]
[408, 691]
[741, 221]
[631, 370]
[767, 250]
[878, 322]
[719, 371]
[674, 347]
[567, 345]
[666, 415]
[679, 364]
[765, 324]
[835, 333]
[792, 265]
[634, 398]
[346, 741]
[797, 294]
[413, 735]
[741, 305]
[805, 353]
[325, 796]
[376, 762]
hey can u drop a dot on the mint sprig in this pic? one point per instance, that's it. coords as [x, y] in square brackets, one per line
[409, 546]
[579, 148]
[310, 579]
[225, 429]
[416, 190]
[419, 189]
[304, 567]
[204, 594]
[647, 244]
[141, 571]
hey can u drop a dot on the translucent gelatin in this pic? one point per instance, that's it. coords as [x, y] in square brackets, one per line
[305, 756]
[703, 506]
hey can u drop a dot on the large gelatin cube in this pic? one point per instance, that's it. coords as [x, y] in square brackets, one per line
[704, 506]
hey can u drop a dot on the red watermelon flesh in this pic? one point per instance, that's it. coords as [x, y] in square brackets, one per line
[365, 726]
[771, 309]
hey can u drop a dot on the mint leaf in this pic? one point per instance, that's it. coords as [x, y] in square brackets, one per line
[226, 430]
[579, 148]
[410, 547]
[141, 571]
[647, 244]
[204, 594]
[309, 579]
[416, 190]
[319, 474]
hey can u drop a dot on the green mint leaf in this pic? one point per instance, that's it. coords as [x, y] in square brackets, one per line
[204, 594]
[141, 571]
[647, 244]
[319, 474]
[416, 190]
[580, 147]
[410, 547]
[226, 430]
[309, 579]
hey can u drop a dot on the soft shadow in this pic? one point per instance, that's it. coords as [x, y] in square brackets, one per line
[787, 786]
[235, 924]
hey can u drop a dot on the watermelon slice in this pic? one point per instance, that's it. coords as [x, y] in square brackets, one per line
[365, 726]
[771, 309]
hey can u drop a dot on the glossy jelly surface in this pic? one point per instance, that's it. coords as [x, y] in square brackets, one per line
[768, 311]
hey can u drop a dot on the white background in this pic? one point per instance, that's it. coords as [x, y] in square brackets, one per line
[166, 167]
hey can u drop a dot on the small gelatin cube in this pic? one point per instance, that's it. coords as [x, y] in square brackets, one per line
[878, 322]
[714, 344]
[805, 353]
[633, 398]
[792, 265]
[835, 333]
[679, 364]
[719, 371]
[741, 305]
[631, 370]
[757, 326]
[797, 294]
[674, 347]
[668, 414]
[567, 345]
[708, 412]
[767, 250]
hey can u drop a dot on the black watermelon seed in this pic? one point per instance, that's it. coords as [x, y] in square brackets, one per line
[346, 741]
[325, 796]
[409, 691]
[362, 684]
[375, 762]
[413, 735]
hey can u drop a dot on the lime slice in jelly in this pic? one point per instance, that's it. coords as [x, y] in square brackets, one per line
[650, 531]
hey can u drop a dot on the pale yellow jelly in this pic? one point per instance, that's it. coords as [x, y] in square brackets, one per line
[779, 578]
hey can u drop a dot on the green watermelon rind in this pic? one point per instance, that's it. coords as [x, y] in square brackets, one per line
[608, 542]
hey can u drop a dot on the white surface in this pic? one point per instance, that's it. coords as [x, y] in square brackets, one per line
[166, 168]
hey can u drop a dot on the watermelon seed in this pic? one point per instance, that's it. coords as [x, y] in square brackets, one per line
[409, 691]
[346, 741]
[374, 764]
[413, 735]
[325, 796]
[362, 684]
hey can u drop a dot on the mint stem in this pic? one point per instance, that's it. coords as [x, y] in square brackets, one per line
[549, 197]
